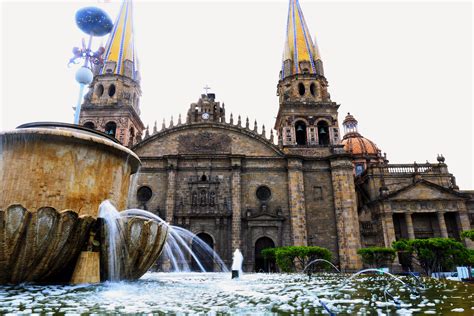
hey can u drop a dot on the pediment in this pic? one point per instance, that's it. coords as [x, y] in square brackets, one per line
[207, 139]
[424, 190]
[266, 217]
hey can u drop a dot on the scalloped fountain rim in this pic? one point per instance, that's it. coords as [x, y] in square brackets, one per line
[76, 132]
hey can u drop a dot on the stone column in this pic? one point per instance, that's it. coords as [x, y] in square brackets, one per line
[347, 219]
[236, 204]
[389, 232]
[387, 225]
[442, 225]
[464, 222]
[409, 223]
[172, 166]
[297, 202]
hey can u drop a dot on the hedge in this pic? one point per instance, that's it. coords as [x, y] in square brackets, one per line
[376, 257]
[294, 258]
[435, 254]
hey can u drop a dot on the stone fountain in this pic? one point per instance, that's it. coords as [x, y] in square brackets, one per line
[53, 177]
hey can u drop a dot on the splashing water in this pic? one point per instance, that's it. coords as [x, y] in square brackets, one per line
[112, 220]
[177, 248]
[256, 294]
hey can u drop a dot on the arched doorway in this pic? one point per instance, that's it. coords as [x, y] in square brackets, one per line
[204, 257]
[261, 263]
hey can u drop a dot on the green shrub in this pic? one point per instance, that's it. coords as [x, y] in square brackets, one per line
[293, 258]
[376, 257]
[468, 234]
[470, 260]
[435, 254]
[269, 253]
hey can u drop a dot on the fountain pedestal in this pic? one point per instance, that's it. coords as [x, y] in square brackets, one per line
[87, 268]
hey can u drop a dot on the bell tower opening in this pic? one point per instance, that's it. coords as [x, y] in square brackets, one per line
[323, 133]
[111, 128]
[89, 125]
[300, 131]
[301, 89]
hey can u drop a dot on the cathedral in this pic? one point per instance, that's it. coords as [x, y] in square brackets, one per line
[308, 183]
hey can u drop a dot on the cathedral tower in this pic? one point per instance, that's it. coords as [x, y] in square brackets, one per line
[112, 103]
[207, 109]
[318, 166]
[306, 117]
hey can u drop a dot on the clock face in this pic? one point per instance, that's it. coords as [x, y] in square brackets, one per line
[205, 116]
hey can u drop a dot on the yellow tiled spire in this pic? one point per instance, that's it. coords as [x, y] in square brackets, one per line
[120, 45]
[299, 46]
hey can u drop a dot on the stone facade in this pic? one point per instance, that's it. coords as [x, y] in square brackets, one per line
[222, 179]
[206, 175]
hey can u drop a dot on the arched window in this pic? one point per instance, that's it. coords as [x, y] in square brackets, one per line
[203, 178]
[110, 128]
[99, 91]
[323, 133]
[111, 90]
[203, 198]
[359, 168]
[144, 194]
[312, 89]
[89, 125]
[300, 131]
[301, 89]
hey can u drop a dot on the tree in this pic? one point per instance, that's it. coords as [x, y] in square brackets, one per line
[376, 257]
[435, 254]
[468, 234]
[293, 258]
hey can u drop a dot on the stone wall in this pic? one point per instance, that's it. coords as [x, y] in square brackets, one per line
[346, 213]
[320, 216]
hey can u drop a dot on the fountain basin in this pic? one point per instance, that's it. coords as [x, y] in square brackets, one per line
[41, 245]
[53, 177]
[138, 244]
[63, 166]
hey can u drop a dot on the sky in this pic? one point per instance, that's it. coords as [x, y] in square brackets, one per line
[403, 69]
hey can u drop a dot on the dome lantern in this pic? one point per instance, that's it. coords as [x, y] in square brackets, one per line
[350, 124]
[354, 143]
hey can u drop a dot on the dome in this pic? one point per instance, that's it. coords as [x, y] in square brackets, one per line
[359, 145]
[354, 142]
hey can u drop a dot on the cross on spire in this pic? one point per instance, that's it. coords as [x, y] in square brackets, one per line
[207, 88]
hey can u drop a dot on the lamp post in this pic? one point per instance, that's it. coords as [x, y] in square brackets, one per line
[94, 22]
